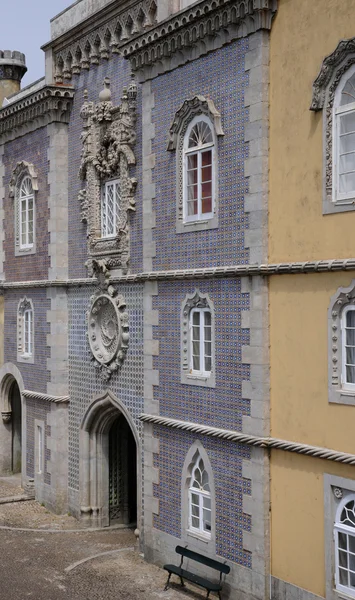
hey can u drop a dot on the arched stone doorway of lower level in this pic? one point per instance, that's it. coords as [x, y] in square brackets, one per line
[12, 433]
[109, 465]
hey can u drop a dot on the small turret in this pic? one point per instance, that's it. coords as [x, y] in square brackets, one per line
[12, 69]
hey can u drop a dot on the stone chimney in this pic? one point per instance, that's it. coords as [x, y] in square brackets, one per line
[12, 69]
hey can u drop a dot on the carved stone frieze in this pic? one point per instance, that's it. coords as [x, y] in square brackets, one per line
[101, 40]
[199, 23]
[47, 105]
[108, 329]
[22, 169]
[108, 139]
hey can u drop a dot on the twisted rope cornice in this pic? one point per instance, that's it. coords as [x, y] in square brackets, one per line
[289, 268]
[251, 440]
[45, 397]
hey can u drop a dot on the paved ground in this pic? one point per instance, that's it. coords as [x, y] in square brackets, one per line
[53, 563]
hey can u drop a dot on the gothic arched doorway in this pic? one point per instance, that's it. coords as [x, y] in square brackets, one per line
[109, 466]
[122, 473]
[16, 441]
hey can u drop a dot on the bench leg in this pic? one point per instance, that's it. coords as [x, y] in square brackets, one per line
[182, 582]
[208, 594]
[219, 596]
[167, 583]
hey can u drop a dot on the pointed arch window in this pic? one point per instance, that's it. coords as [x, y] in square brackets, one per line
[344, 535]
[25, 331]
[23, 186]
[199, 170]
[200, 502]
[26, 213]
[344, 139]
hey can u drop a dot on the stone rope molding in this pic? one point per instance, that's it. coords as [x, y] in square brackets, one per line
[252, 440]
[291, 268]
[45, 397]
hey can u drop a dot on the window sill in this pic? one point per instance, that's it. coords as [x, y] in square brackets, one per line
[340, 396]
[201, 380]
[199, 536]
[25, 358]
[342, 594]
[198, 376]
[199, 225]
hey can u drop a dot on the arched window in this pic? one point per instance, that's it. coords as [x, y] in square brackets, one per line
[344, 139]
[198, 340]
[25, 331]
[23, 186]
[344, 535]
[200, 508]
[348, 347]
[110, 207]
[199, 170]
[26, 208]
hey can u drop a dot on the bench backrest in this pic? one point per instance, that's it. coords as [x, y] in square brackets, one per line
[204, 560]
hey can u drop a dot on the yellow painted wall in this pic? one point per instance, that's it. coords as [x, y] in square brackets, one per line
[299, 362]
[297, 518]
[303, 33]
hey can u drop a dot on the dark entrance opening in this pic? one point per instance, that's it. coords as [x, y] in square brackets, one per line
[15, 400]
[122, 474]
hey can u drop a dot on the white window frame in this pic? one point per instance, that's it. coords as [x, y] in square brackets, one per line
[40, 448]
[117, 184]
[199, 151]
[338, 112]
[25, 331]
[200, 372]
[25, 201]
[347, 530]
[201, 494]
[344, 384]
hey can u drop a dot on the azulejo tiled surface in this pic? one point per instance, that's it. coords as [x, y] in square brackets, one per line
[226, 461]
[220, 76]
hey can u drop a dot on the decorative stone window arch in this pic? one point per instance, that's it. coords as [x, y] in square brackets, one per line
[196, 456]
[23, 187]
[197, 110]
[25, 331]
[341, 371]
[344, 538]
[198, 333]
[328, 95]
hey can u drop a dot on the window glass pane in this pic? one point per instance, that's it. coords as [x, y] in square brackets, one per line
[350, 318]
[195, 522]
[208, 364]
[207, 502]
[343, 559]
[342, 540]
[346, 143]
[343, 577]
[347, 183]
[208, 332]
[350, 337]
[196, 318]
[351, 559]
[196, 363]
[347, 122]
[206, 520]
[348, 93]
[206, 158]
[351, 542]
[352, 580]
[206, 205]
[347, 162]
[206, 174]
[350, 374]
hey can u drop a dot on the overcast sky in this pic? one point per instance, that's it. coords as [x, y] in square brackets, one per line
[24, 26]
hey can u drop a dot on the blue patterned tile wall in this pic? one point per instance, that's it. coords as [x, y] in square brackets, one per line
[84, 381]
[222, 406]
[35, 376]
[220, 76]
[118, 71]
[226, 462]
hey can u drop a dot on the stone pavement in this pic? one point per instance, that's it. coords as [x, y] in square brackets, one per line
[53, 562]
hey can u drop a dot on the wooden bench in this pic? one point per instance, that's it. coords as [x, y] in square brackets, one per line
[210, 586]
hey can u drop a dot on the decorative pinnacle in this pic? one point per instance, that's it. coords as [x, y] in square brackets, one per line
[105, 94]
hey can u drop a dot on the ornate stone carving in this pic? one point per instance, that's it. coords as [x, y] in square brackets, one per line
[108, 138]
[330, 66]
[46, 105]
[199, 23]
[22, 168]
[103, 39]
[108, 331]
[199, 105]
[6, 417]
[338, 493]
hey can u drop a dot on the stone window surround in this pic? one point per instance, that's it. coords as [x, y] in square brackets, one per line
[335, 489]
[325, 88]
[23, 169]
[344, 296]
[194, 539]
[39, 452]
[198, 106]
[23, 305]
[195, 300]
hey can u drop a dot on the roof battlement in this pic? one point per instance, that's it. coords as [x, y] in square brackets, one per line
[13, 58]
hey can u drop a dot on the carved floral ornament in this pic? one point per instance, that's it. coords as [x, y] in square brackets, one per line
[199, 105]
[108, 139]
[108, 329]
[22, 170]
[344, 297]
